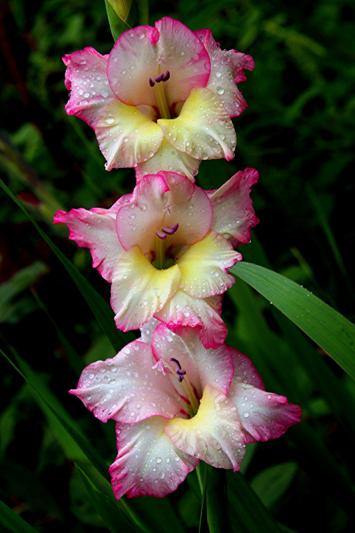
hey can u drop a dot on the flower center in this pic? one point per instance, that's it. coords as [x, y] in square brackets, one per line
[189, 397]
[159, 88]
[188, 390]
[164, 253]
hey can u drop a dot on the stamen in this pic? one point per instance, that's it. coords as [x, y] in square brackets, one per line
[165, 76]
[180, 372]
[151, 82]
[161, 234]
[170, 230]
[160, 96]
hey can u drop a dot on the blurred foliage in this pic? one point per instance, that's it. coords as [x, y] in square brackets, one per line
[298, 131]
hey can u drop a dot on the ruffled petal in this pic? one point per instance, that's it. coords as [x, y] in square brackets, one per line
[240, 62]
[147, 330]
[144, 52]
[95, 229]
[127, 388]
[147, 463]
[164, 200]
[233, 212]
[203, 266]
[168, 158]
[227, 68]
[263, 415]
[203, 367]
[203, 128]
[244, 370]
[132, 61]
[126, 135]
[198, 313]
[184, 56]
[213, 435]
[86, 79]
[139, 290]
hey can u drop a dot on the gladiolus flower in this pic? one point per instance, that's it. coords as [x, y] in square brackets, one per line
[166, 249]
[162, 99]
[176, 403]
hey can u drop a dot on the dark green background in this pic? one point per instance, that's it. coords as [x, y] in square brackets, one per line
[298, 132]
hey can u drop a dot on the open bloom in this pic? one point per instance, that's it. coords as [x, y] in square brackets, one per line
[166, 249]
[176, 403]
[162, 99]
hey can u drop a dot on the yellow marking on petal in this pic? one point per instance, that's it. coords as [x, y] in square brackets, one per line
[202, 266]
[127, 135]
[203, 129]
[139, 289]
[202, 418]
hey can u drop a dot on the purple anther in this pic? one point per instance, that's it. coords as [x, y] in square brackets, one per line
[165, 76]
[181, 374]
[170, 230]
[161, 234]
[151, 82]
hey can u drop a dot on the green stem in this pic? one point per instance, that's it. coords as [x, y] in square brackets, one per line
[143, 11]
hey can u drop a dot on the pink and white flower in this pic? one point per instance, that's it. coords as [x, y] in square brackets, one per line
[162, 99]
[176, 403]
[166, 249]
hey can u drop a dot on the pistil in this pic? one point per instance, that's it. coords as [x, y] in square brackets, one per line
[159, 248]
[160, 95]
[186, 386]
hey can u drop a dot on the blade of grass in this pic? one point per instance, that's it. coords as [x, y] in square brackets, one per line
[270, 484]
[97, 304]
[71, 438]
[74, 359]
[216, 495]
[325, 326]
[248, 514]
[11, 521]
[112, 518]
[317, 206]
[201, 474]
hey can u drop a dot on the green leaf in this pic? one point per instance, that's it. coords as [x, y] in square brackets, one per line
[13, 522]
[325, 326]
[97, 304]
[272, 483]
[248, 513]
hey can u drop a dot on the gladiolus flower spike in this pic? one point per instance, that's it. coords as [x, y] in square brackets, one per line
[176, 403]
[161, 100]
[166, 249]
